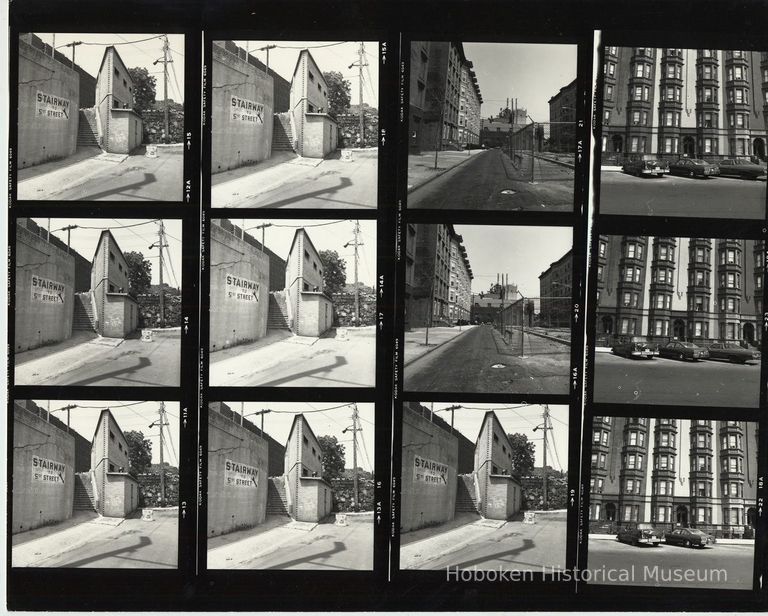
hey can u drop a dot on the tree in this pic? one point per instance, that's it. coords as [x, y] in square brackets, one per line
[339, 90]
[333, 457]
[139, 452]
[139, 272]
[143, 88]
[334, 271]
[522, 454]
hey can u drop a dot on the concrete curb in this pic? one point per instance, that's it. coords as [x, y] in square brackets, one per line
[434, 348]
[604, 537]
[434, 177]
[552, 338]
[603, 350]
[557, 162]
[610, 168]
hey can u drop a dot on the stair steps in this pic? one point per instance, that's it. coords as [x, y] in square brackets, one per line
[83, 316]
[282, 135]
[277, 503]
[277, 315]
[465, 494]
[83, 493]
[87, 129]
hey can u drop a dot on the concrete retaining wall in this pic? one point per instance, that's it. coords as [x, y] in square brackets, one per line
[238, 310]
[49, 101]
[121, 315]
[426, 503]
[315, 314]
[126, 130]
[503, 497]
[121, 495]
[233, 505]
[45, 277]
[315, 499]
[42, 494]
[241, 113]
[321, 135]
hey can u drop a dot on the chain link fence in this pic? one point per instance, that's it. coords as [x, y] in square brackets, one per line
[543, 151]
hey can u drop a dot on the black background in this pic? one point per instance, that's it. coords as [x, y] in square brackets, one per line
[692, 24]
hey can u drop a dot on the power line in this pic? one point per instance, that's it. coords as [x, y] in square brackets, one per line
[112, 43]
[138, 224]
[311, 46]
[320, 224]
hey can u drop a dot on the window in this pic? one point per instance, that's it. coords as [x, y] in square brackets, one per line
[664, 439]
[599, 272]
[611, 68]
[634, 251]
[631, 486]
[111, 436]
[603, 248]
[627, 326]
[609, 91]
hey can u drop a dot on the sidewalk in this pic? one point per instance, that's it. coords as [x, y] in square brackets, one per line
[414, 346]
[421, 167]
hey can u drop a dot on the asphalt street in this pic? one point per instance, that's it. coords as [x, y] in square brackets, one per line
[137, 178]
[102, 543]
[334, 360]
[671, 195]
[479, 360]
[514, 546]
[719, 566]
[671, 381]
[97, 361]
[489, 181]
[325, 547]
[302, 183]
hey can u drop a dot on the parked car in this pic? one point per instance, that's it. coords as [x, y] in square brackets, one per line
[642, 533]
[732, 352]
[742, 168]
[635, 347]
[646, 168]
[689, 537]
[693, 167]
[683, 350]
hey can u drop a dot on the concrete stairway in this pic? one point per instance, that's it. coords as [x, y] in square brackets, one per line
[282, 136]
[465, 494]
[87, 129]
[83, 319]
[277, 316]
[277, 503]
[83, 493]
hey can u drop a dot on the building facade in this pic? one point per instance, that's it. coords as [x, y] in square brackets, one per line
[433, 300]
[411, 231]
[310, 310]
[498, 489]
[315, 132]
[116, 311]
[555, 288]
[120, 128]
[697, 103]
[441, 114]
[692, 289]
[699, 473]
[460, 290]
[309, 496]
[562, 118]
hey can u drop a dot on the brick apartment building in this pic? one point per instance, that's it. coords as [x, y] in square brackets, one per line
[562, 117]
[555, 289]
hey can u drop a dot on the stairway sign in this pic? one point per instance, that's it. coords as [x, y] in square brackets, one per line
[51, 106]
[429, 471]
[241, 289]
[243, 110]
[47, 291]
[239, 475]
[48, 471]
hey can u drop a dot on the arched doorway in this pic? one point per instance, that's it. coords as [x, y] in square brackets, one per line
[751, 517]
[758, 148]
[689, 147]
[681, 515]
[618, 144]
[607, 323]
[748, 333]
[610, 512]
[678, 329]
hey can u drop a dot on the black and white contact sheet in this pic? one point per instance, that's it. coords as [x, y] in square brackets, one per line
[350, 306]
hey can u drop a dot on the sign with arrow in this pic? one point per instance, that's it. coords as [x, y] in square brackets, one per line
[48, 471]
[51, 106]
[240, 475]
[429, 471]
[241, 289]
[47, 291]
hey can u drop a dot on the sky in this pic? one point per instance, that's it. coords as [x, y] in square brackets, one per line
[130, 415]
[330, 56]
[138, 54]
[533, 73]
[136, 239]
[516, 419]
[279, 237]
[323, 422]
[522, 252]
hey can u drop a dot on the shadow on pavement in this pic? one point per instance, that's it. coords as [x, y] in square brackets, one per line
[79, 156]
[338, 547]
[314, 372]
[141, 364]
[149, 178]
[143, 542]
[344, 182]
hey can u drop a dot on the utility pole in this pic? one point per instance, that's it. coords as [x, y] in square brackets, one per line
[165, 60]
[161, 422]
[160, 245]
[73, 44]
[453, 408]
[356, 242]
[544, 427]
[360, 64]
[522, 327]
[354, 429]
[267, 48]
[262, 227]
[262, 412]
